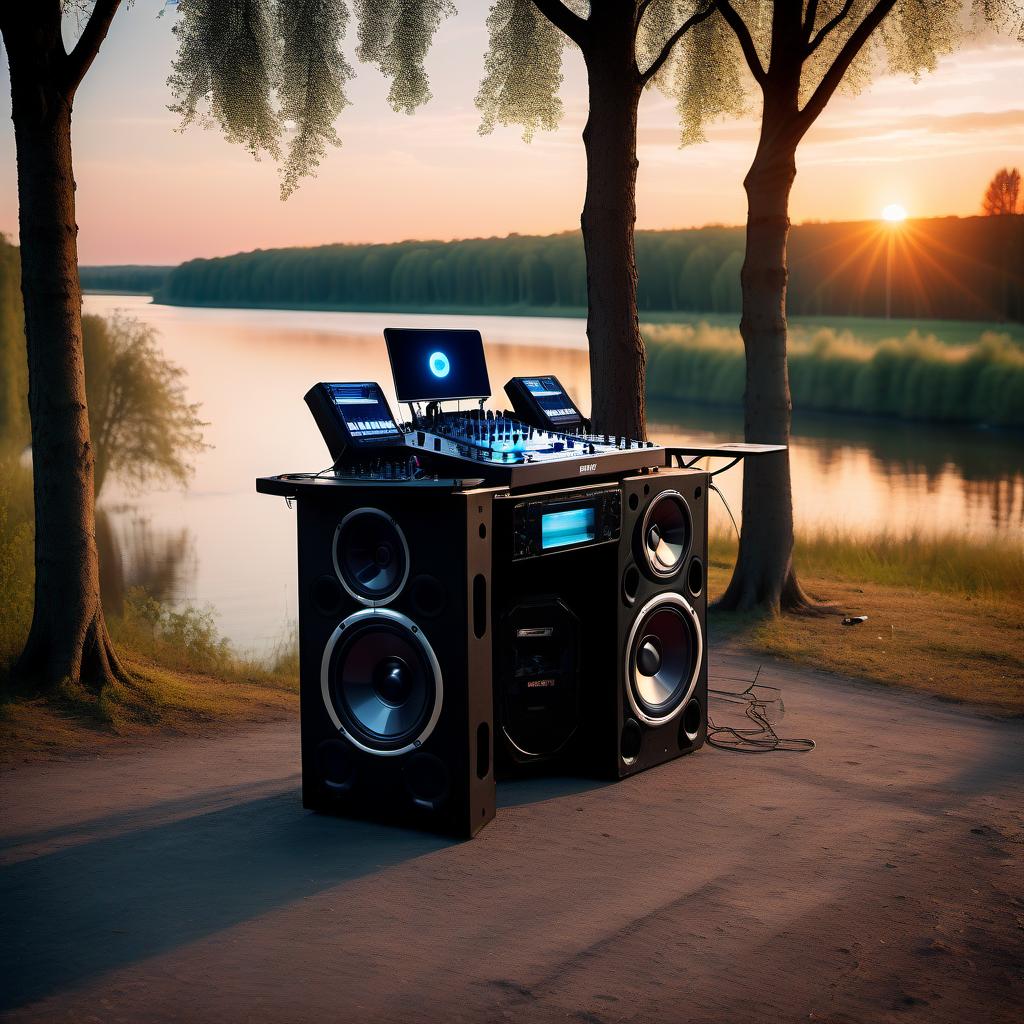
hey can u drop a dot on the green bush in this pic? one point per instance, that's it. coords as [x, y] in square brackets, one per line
[914, 378]
[16, 569]
[187, 638]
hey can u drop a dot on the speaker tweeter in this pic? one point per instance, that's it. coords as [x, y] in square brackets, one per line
[665, 532]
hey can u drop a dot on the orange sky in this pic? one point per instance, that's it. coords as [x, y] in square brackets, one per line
[147, 194]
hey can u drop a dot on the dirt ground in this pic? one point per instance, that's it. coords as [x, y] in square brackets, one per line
[878, 878]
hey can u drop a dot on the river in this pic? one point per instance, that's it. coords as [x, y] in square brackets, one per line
[220, 544]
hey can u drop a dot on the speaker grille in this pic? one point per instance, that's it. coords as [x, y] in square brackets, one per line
[371, 556]
[665, 534]
[663, 658]
[381, 682]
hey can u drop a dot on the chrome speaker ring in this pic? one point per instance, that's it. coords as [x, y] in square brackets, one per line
[364, 599]
[686, 612]
[386, 615]
[660, 569]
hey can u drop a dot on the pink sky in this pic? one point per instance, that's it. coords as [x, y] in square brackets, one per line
[147, 194]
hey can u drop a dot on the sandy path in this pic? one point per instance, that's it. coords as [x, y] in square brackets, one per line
[878, 878]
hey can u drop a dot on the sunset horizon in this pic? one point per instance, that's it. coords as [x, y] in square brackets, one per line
[149, 194]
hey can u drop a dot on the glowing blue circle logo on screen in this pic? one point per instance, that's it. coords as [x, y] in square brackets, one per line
[438, 363]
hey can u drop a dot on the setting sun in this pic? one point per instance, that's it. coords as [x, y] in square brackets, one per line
[894, 212]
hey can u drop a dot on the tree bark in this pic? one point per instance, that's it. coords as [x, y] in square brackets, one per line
[618, 358]
[68, 642]
[764, 577]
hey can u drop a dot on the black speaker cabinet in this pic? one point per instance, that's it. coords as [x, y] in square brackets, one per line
[395, 655]
[662, 656]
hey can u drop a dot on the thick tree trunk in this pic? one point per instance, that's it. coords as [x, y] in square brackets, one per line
[764, 576]
[68, 641]
[617, 355]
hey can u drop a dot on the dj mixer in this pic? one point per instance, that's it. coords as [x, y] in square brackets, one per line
[546, 439]
[503, 449]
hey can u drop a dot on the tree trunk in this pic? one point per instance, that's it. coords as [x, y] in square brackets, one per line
[68, 641]
[617, 355]
[764, 576]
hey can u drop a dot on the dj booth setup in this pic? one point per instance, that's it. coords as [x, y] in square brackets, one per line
[484, 595]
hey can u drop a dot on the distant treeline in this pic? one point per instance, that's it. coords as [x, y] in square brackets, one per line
[141, 279]
[947, 268]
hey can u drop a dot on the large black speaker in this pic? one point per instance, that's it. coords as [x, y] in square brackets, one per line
[395, 655]
[600, 609]
[662, 656]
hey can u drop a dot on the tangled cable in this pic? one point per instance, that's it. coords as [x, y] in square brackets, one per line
[760, 710]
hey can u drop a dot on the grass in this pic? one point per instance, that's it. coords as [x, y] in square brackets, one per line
[183, 675]
[913, 377]
[945, 615]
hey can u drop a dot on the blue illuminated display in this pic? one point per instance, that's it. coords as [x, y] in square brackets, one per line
[573, 526]
[439, 365]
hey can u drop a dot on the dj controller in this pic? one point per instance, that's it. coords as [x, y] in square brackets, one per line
[543, 439]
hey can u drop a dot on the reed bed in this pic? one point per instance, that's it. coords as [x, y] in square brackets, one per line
[915, 377]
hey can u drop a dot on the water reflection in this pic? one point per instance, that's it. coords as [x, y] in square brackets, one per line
[220, 543]
[135, 554]
[869, 475]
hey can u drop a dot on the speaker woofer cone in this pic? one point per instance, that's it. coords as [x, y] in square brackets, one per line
[663, 658]
[381, 682]
[665, 534]
[371, 556]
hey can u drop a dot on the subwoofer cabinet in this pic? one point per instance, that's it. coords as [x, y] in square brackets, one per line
[395, 654]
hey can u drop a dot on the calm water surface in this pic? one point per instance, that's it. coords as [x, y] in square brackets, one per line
[219, 543]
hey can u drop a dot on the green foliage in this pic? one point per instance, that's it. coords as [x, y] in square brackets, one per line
[912, 378]
[522, 70]
[396, 35]
[836, 269]
[143, 427]
[269, 70]
[312, 80]
[16, 570]
[185, 638]
[13, 357]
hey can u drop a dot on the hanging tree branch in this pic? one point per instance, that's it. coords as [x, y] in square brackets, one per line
[666, 50]
[830, 82]
[817, 40]
[737, 24]
[809, 18]
[563, 19]
[640, 8]
[84, 52]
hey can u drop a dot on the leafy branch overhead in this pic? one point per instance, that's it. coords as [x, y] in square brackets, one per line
[271, 74]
